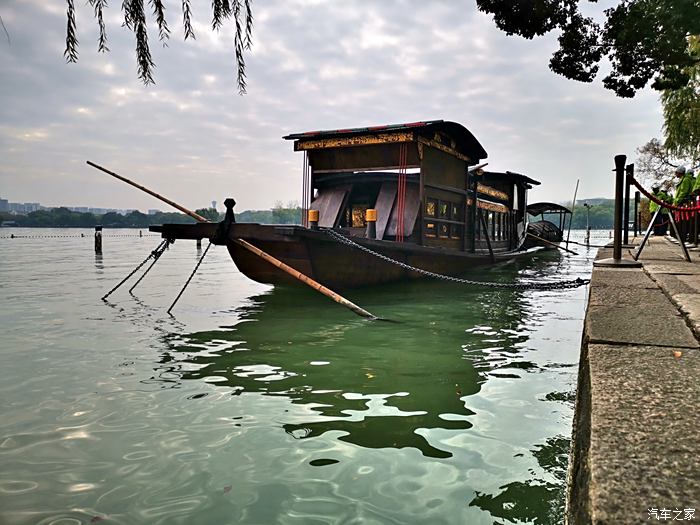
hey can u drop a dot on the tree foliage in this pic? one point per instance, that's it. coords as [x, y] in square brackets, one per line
[64, 218]
[600, 214]
[644, 40]
[682, 110]
[656, 163]
[209, 213]
[135, 19]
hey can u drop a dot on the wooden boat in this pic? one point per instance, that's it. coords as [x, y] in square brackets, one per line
[432, 211]
[551, 225]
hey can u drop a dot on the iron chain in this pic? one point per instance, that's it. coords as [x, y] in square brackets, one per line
[559, 285]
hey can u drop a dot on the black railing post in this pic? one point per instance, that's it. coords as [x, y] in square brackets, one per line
[619, 187]
[617, 259]
[629, 173]
[637, 222]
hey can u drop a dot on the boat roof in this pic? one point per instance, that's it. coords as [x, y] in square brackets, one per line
[465, 142]
[512, 176]
[538, 208]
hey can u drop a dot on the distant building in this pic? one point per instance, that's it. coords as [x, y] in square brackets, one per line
[23, 207]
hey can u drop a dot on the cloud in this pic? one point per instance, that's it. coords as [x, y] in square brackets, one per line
[315, 64]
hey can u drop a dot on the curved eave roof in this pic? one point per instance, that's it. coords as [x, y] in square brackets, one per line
[465, 141]
[512, 176]
[538, 208]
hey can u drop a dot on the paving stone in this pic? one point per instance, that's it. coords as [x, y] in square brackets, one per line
[623, 296]
[673, 284]
[689, 305]
[636, 430]
[644, 438]
[657, 322]
[692, 282]
[622, 277]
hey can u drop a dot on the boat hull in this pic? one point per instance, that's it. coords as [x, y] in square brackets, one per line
[338, 265]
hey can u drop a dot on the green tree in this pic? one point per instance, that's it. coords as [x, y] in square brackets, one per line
[644, 40]
[291, 214]
[209, 213]
[682, 110]
[655, 163]
[135, 19]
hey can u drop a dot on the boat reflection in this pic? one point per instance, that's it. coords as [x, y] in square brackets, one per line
[380, 384]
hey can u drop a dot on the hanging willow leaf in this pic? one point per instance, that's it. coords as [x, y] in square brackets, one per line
[187, 19]
[143, 52]
[248, 25]
[128, 14]
[239, 47]
[218, 11]
[98, 6]
[71, 52]
[134, 14]
[159, 13]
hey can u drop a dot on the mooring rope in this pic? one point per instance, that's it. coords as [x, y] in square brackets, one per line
[191, 276]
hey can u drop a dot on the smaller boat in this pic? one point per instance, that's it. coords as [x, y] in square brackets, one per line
[551, 225]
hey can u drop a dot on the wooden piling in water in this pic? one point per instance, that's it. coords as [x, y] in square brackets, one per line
[98, 239]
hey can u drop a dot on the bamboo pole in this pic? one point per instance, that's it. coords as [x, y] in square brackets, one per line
[257, 251]
[573, 208]
[305, 279]
[175, 205]
[551, 243]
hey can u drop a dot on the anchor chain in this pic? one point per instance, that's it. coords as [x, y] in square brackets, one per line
[558, 285]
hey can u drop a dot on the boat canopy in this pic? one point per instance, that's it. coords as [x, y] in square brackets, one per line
[463, 141]
[540, 208]
[509, 176]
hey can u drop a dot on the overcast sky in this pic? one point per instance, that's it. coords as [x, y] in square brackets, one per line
[315, 64]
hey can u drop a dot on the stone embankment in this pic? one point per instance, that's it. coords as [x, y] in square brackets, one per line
[636, 441]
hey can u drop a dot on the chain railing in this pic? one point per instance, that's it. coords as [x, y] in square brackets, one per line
[552, 285]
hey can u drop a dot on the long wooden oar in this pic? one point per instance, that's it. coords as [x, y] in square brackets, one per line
[551, 243]
[257, 251]
[175, 205]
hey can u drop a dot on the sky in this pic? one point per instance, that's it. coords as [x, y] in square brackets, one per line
[315, 64]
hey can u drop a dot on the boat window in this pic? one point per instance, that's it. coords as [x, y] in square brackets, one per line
[444, 219]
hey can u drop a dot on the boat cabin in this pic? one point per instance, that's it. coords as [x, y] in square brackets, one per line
[424, 181]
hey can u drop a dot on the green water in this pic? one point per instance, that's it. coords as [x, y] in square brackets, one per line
[262, 406]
